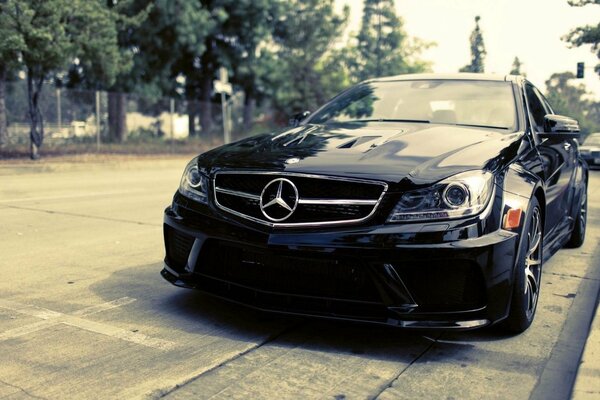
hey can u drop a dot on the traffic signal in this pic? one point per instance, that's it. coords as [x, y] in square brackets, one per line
[580, 67]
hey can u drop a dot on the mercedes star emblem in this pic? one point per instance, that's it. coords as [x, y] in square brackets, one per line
[279, 199]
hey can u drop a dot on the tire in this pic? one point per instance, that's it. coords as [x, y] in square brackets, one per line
[578, 234]
[528, 273]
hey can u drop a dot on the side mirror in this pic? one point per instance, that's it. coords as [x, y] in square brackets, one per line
[295, 120]
[560, 127]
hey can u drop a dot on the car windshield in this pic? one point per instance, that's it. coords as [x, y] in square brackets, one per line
[592, 140]
[457, 102]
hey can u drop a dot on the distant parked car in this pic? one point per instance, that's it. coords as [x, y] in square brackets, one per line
[590, 149]
[419, 201]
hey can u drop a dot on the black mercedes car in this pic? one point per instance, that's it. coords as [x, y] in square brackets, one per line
[419, 201]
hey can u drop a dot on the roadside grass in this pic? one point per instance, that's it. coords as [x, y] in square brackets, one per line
[88, 149]
[138, 144]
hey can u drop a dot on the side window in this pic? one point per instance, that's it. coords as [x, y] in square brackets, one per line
[536, 108]
[547, 106]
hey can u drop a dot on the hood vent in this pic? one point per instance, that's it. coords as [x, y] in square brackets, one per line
[358, 142]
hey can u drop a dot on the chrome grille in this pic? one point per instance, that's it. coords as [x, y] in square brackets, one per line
[320, 200]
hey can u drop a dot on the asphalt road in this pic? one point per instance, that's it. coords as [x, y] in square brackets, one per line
[84, 312]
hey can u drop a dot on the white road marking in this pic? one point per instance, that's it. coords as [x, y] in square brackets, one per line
[25, 330]
[32, 311]
[118, 333]
[50, 318]
[104, 306]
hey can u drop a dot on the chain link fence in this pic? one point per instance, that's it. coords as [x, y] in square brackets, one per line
[80, 121]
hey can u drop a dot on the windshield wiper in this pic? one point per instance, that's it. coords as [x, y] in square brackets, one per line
[484, 126]
[421, 121]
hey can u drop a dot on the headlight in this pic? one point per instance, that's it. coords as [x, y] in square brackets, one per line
[459, 196]
[194, 184]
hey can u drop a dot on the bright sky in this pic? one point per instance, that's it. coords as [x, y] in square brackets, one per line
[528, 29]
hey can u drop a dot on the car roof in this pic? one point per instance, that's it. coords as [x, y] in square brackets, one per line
[593, 136]
[455, 76]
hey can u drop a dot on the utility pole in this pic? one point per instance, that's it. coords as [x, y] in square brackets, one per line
[172, 110]
[98, 121]
[58, 110]
[224, 87]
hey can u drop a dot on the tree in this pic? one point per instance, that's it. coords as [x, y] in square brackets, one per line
[248, 29]
[88, 72]
[304, 41]
[236, 38]
[10, 46]
[477, 50]
[516, 67]
[121, 25]
[383, 47]
[200, 69]
[53, 33]
[585, 35]
[168, 45]
[573, 100]
[164, 39]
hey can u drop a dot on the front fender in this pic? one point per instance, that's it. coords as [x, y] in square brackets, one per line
[520, 186]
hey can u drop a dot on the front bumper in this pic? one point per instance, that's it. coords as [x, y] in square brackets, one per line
[380, 274]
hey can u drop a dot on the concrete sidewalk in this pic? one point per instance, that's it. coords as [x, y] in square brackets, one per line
[587, 383]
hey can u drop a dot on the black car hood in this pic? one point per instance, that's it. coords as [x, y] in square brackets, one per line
[421, 153]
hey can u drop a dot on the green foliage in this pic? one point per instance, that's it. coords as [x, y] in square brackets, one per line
[304, 65]
[50, 34]
[164, 45]
[585, 35]
[11, 43]
[382, 46]
[97, 52]
[572, 100]
[516, 67]
[243, 44]
[579, 3]
[477, 50]
[309, 66]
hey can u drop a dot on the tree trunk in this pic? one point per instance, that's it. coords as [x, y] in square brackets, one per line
[206, 120]
[3, 122]
[34, 90]
[191, 111]
[117, 116]
[249, 106]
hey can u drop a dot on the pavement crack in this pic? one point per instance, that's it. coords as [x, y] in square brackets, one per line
[570, 276]
[417, 358]
[161, 393]
[127, 221]
[22, 390]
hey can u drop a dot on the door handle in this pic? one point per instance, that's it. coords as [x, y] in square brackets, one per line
[567, 146]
